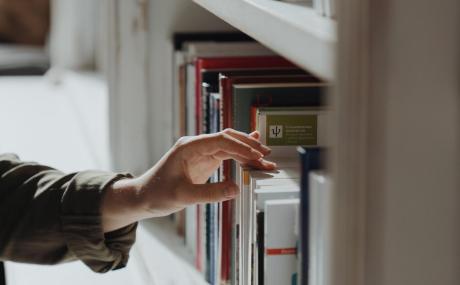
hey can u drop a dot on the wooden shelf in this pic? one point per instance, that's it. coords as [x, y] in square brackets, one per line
[294, 31]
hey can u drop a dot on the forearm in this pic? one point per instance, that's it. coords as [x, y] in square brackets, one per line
[124, 203]
[50, 217]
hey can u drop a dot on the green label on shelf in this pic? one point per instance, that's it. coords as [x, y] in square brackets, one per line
[292, 130]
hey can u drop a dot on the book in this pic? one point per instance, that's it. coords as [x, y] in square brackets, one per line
[285, 128]
[311, 159]
[284, 182]
[262, 195]
[280, 259]
[250, 180]
[321, 228]
[257, 186]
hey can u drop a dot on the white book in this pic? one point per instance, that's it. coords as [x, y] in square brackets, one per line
[260, 196]
[245, 227]
[251, 183]
[287, 172]
[321, 228]
[294, 182]
[288, 177]
[280, 253]
[281, 177]
[237, 226]
[202, 238]
[274, 193]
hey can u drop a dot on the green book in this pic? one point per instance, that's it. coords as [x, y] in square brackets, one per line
[245, 96]
[285, 128]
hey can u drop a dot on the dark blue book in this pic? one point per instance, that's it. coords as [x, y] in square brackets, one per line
[311, 159]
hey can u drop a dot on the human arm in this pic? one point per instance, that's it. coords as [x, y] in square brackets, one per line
[49, 217]
[179, 178]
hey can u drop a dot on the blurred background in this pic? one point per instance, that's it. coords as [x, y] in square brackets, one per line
[63, 104]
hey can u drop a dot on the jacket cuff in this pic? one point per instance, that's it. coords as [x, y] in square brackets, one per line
[81, 223]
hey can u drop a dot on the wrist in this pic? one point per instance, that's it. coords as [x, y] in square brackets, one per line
[122, 204]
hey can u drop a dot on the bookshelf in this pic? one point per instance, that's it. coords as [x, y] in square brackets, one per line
[394, 122]
[294, 31]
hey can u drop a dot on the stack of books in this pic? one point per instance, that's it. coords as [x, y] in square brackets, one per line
[240, 84]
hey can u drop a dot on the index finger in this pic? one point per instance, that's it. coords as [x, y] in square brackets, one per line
[223, 142]
[248, 139]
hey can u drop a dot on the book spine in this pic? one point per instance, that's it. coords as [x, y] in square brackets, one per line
[310, 160]
[227, 206]
[254, 116]
[181, 104]
[245, 229]
[280, 242]
[198, 89]
[321, 208]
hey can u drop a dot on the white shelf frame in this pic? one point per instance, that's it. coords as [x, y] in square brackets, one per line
[294, 31]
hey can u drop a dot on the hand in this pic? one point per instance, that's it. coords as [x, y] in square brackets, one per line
[179, 178]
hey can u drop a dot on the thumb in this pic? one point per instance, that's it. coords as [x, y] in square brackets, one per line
[212, 192]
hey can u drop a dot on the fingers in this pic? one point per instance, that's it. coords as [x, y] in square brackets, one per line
[210, 192]
[229, 144]
[251, 140]
[255, 134]
[260, 163]
[212, 144]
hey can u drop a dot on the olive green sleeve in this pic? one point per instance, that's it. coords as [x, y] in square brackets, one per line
[48, 217]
